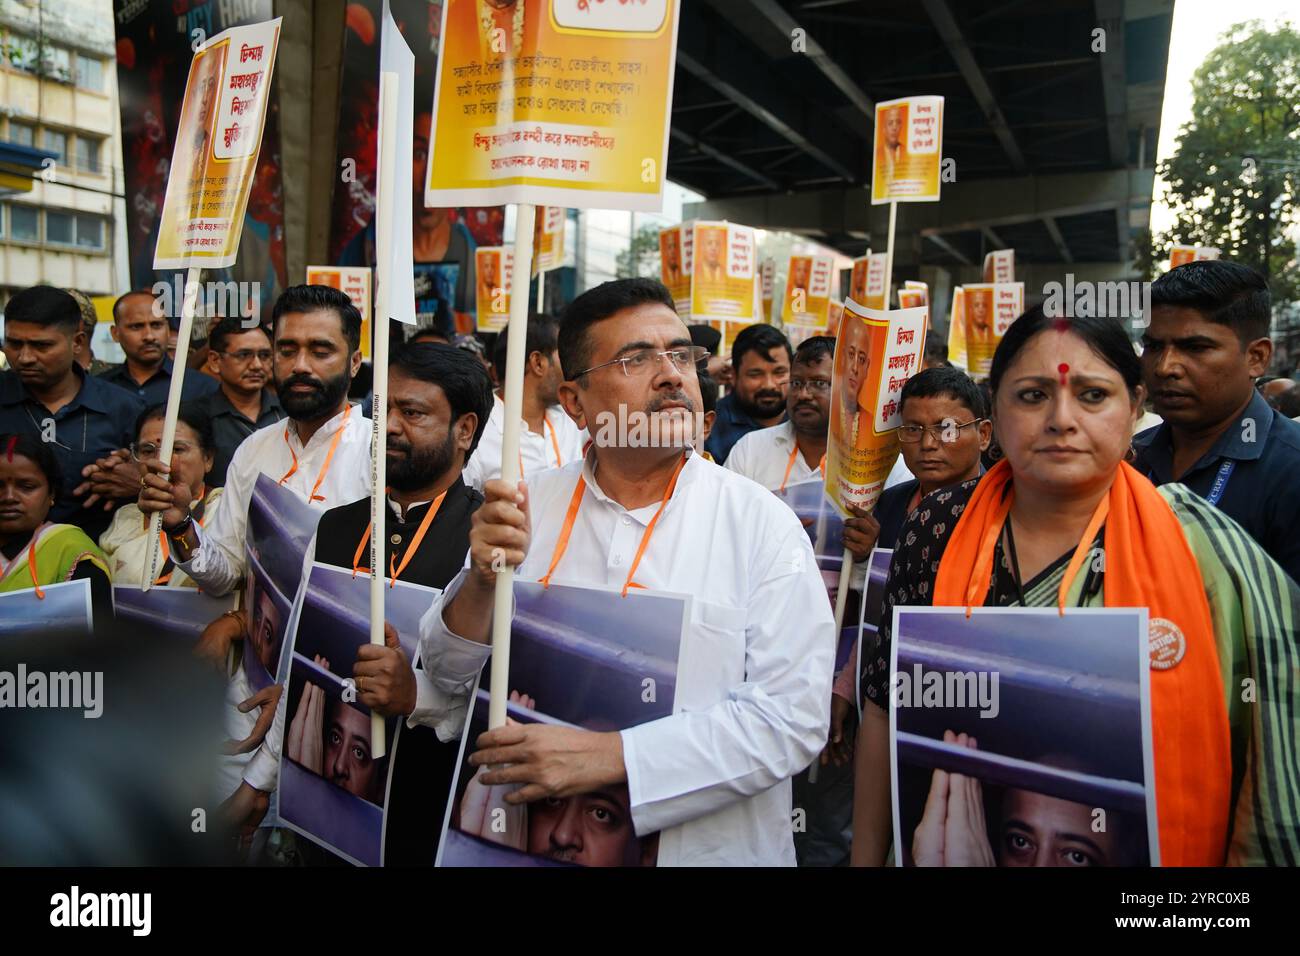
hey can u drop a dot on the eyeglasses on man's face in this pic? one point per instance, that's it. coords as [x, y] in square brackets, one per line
[818, 386]
[644, 362]
[945, 431]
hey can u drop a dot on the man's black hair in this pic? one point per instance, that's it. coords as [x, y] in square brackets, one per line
[1227, 293]
[708, 392]
[231, 325]
[813, 350]
[761, 339]
[317, 298]
[47, 307]
[543, 333]
[459, 374]
[705, 336]
[948, 382]
[596, 305]
[1288, 403]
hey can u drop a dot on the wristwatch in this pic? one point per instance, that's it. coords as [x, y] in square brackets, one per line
[181, 528]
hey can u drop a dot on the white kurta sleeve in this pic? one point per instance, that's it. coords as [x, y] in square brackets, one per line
[450, 665]
[218, 564]
[767, 728]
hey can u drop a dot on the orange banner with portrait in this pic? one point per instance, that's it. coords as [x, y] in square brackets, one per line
[875, 354]
[494, 269]
[354, 282]
[907, 149]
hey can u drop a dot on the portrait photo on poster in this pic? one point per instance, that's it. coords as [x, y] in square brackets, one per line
[1022, 737]
[579, 657]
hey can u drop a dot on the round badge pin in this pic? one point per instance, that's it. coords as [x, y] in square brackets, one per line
[1167, 644]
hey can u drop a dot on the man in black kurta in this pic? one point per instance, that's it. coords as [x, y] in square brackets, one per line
[439, 399]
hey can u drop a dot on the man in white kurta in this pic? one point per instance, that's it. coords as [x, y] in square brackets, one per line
[756, 660]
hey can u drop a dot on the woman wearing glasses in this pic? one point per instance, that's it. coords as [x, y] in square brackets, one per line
[1066, 394]
[127, 538]
[33, 552]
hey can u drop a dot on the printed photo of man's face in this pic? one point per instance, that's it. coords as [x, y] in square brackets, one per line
[591, 829]
[264, 624]
[1038, 830]
[800, 270]
[893, 127]
[980, 305]
[348, 762]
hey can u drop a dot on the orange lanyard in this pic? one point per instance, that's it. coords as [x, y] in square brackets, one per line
[575, 503]
[555, 444]
[396, 572]
[329, 457]
[790, 464]
[31, 561]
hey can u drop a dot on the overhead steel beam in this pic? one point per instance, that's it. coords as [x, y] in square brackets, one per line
[787, 24]
[1054, 231]
[993, 237]
[949, 248]
[728, 161]
[950, 32]
[1110, 17]
[709, 51]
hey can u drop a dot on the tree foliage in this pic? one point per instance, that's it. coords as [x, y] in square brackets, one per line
[641, 257]
[1232, 180]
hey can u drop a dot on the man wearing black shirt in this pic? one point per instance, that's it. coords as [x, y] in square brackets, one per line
[241, 359]
[142, 331]
[439, 399]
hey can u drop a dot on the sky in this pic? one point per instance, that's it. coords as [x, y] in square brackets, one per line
[1198, 25]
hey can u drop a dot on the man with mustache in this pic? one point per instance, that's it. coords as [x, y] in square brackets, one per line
[712, 779]
[322, 453]
[760, 357]
[439, 399]
[147, 372]
[240, 358]
[1206, 344]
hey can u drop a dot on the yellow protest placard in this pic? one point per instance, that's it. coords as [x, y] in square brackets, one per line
[867, 281]
[722, 273]
[217, 144]
[1000, 266]
[354, 282]
[1181, 254]
[808, 291]
[552, 102]
[674, 265]
[494, 267]
[767, 280]
[548, 239]
[907, 150]
[875, 354]
[835, 314]
[981, 314]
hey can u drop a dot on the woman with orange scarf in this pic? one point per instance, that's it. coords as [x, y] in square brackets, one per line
[1223, 616]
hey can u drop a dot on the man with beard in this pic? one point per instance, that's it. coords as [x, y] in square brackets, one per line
[240, 358]
[548, 438]
[794, 450]
[758, 646]
[761, 358]
[142, 332]
[439, 398]
[322, 453]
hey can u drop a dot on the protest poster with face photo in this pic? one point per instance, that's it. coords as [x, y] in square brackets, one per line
[579, 657]
[907, 148]
[1022, 737]
[674, 265]
[66, 607]
[808, 291]
[867, 283]
[981, 315]
[354, 282]
[181, 613]
[875, 354]
[548, 238]
[1178, 255]
[332, 790]
[280, 527]
[494, 267]
[217, 144]
[722, 276]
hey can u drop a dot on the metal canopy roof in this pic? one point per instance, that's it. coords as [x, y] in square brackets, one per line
[1025, 97]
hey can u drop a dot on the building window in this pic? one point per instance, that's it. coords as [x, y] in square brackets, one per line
[23, 224]
[57, 143]
[87, 154]
[22, 52]
[90, 73]
[58, 228]
[90, 231]
[22, 134]
[57, 64]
